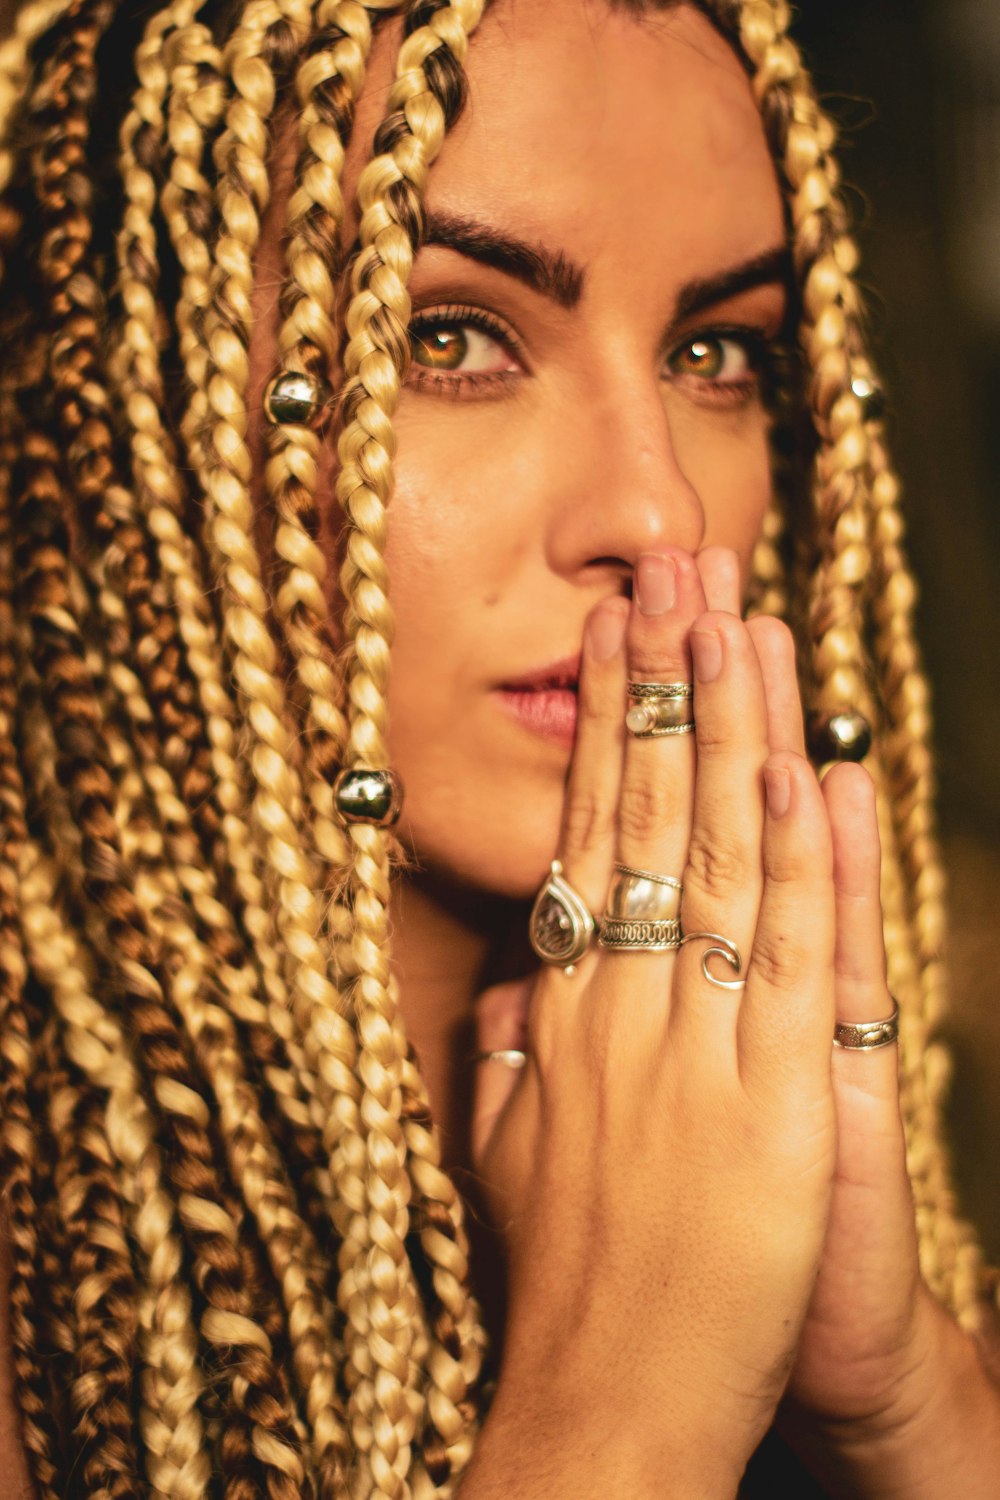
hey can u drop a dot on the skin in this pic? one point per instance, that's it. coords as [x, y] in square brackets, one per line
[605, 498]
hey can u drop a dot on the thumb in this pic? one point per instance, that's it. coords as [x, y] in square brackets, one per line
[501, 1028]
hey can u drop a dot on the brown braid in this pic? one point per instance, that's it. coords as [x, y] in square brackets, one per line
[18, 1139]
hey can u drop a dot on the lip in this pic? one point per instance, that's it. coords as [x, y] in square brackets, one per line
[545, 702]
[560, 675]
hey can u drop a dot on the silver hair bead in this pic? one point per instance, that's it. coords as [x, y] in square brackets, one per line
[846, 735]
[295, 399]
[871, 396]
[367, 796]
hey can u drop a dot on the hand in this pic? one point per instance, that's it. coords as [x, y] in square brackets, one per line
[662, 1167]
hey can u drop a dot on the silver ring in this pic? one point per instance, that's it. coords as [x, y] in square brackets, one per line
[722, 947]
[659, 708]
[509, 1057]
[560, 927]
[641, 689]
[865, 1036]
[643, 895]
[628, 935]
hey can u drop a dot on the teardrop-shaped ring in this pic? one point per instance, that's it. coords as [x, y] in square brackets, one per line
[722, 947]
[561, 926]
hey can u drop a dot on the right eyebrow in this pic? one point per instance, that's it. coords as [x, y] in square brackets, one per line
[545, 271]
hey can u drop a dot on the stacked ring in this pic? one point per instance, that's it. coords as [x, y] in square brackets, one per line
[659, 708]
[629, 935]
[644, 895]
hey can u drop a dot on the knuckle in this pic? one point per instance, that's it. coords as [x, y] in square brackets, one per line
[778, 961]
[588, 820]
[600, 708]
[716, 865]
[646, 809]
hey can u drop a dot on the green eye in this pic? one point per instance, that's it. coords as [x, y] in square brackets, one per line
[443, 347]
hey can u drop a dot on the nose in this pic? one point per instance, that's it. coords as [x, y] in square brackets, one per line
[622, 491]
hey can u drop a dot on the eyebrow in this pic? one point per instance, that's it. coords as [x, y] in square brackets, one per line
[552, 274]
[762, 270]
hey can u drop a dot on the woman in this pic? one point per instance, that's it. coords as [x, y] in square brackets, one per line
[237, 1261]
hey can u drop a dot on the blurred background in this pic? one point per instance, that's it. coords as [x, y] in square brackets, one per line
[916, 87]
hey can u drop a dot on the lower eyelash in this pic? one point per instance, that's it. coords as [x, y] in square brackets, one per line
[456, 385]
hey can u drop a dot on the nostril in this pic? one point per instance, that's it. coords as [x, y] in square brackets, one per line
[621, 567]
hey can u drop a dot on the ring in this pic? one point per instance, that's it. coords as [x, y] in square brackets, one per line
[560, 927]
[865, 1036]
[722, 947]
[659, 708]
[510, 1057]
[628, 935]
[644, 895]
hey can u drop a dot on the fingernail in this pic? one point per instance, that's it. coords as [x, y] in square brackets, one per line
[655, 584]
[706, 648]
[606, 632]
[778, 788]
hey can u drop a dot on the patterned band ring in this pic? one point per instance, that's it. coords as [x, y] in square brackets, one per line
[865, 1036]
[629, 935]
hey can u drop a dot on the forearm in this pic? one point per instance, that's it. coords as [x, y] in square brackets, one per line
[944, 1441]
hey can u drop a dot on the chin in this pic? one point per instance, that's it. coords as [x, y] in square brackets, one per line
[507, 859]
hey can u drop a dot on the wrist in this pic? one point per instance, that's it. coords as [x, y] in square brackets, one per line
[556, 1438]
[936, 1434]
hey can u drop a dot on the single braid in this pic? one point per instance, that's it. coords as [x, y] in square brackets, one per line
[389, 195]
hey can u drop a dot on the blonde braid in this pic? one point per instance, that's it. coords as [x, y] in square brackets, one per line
[198, 94]
[389, 193]
[328, 83]
[276, 806]
[854, 531]
[953, 1258]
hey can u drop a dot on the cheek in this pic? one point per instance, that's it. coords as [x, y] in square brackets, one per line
[731, 471]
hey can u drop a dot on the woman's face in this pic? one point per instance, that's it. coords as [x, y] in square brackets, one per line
[603, 266]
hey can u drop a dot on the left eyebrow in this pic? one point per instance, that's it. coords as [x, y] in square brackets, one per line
[773, 266]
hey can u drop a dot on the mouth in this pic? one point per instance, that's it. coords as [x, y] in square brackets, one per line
[545, 702]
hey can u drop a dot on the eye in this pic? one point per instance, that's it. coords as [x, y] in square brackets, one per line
[457, 348]
[715, 357]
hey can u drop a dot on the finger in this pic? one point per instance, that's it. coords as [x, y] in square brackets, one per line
[719, 568]
[862, 991]
[589, 828]
[871, 1150]
[723, 877]
[786, 1020]
[657, 781]
[501, 1027]
[775, 647]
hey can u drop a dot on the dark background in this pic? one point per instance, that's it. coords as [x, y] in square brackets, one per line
[916, 87]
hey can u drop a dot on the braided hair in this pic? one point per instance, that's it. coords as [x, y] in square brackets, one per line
[234, 1249]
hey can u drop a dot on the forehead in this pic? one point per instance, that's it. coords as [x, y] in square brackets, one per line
[608, 127]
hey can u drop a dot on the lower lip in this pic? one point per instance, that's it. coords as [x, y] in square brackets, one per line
[550, 713]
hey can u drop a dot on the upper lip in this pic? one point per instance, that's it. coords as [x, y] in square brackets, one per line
[561, 674]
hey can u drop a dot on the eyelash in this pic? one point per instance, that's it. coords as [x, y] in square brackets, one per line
[762, 353]
[457, 385]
